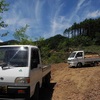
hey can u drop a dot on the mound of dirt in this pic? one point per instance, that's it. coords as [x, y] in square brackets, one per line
[75, 83]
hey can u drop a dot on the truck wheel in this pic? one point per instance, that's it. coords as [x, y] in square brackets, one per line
[36, 93]
[95, 63]
[92, 64]
[79, 64]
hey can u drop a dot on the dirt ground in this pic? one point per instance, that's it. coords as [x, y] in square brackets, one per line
[72, 83]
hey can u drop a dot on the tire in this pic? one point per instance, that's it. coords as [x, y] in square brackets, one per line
[79, 64]
[95, 63]
[36, 93]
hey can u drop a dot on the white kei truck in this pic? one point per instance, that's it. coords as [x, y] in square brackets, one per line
[21, 72]
[79, 59]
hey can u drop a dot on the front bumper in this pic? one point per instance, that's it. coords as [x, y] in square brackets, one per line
[71, 64]
[14, 91]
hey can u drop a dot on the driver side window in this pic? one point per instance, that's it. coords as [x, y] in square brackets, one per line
[34, 58]
[79, 54]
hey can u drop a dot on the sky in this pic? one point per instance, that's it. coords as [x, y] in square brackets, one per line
[46, 18]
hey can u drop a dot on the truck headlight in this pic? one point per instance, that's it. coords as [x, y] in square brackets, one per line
[22, 80]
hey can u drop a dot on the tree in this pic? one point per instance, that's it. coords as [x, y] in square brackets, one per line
[3, 7]
[88, 27]
[97, 39]
[21, 36]
[20, 33]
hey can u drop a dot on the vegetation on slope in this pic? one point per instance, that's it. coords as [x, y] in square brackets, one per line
[82, 36]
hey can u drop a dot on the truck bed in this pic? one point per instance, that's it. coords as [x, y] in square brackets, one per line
[92, 56]
[92, 59]
[46, 69]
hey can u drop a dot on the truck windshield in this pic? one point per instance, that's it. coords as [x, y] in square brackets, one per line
[13, 57]
[72, 54]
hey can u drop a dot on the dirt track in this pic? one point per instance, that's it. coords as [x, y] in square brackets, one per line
[73, 83]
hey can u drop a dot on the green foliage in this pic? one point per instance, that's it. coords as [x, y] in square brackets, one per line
[97, 38]
[3, 7]
[53, 42]
[82, 36]
[80, 41]
[54, 59]
[20, 34]
[63, 47]
[26, 42]
[53, 50]
[92, 48]
[45, 54]
[56, 49]
[89, 28]
[40, 42]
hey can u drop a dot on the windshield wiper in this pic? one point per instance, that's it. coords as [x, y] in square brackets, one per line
[3, 64]
[14, 55]
[6, 66]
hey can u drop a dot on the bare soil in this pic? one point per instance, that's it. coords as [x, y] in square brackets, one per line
[72, 83]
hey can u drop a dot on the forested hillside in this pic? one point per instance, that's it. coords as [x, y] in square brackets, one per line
[53, 49]
[89, 28]
[80, 36]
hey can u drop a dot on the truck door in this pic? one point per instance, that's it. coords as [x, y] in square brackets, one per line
[36, 71]
[79, 57]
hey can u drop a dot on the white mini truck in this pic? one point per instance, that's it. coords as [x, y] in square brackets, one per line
[21, 72]
[79, 59]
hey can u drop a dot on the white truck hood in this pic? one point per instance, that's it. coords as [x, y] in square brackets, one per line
[71, 58]
[9, 75]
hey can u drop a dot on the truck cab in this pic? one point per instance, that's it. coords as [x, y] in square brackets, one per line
[76, 58]
[21, 71]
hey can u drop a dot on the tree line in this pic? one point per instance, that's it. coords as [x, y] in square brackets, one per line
[88, 28]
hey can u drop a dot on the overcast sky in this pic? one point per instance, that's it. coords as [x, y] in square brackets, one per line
[47, 18]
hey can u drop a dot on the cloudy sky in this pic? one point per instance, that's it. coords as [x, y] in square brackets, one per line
[47, 18]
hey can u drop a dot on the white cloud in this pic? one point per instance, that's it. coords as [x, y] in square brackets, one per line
[59, 25]
[15, 19]
[80, 11]
[19, 14]
[79, 4]
[94, 14]
[78, 7]
[38, 10]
